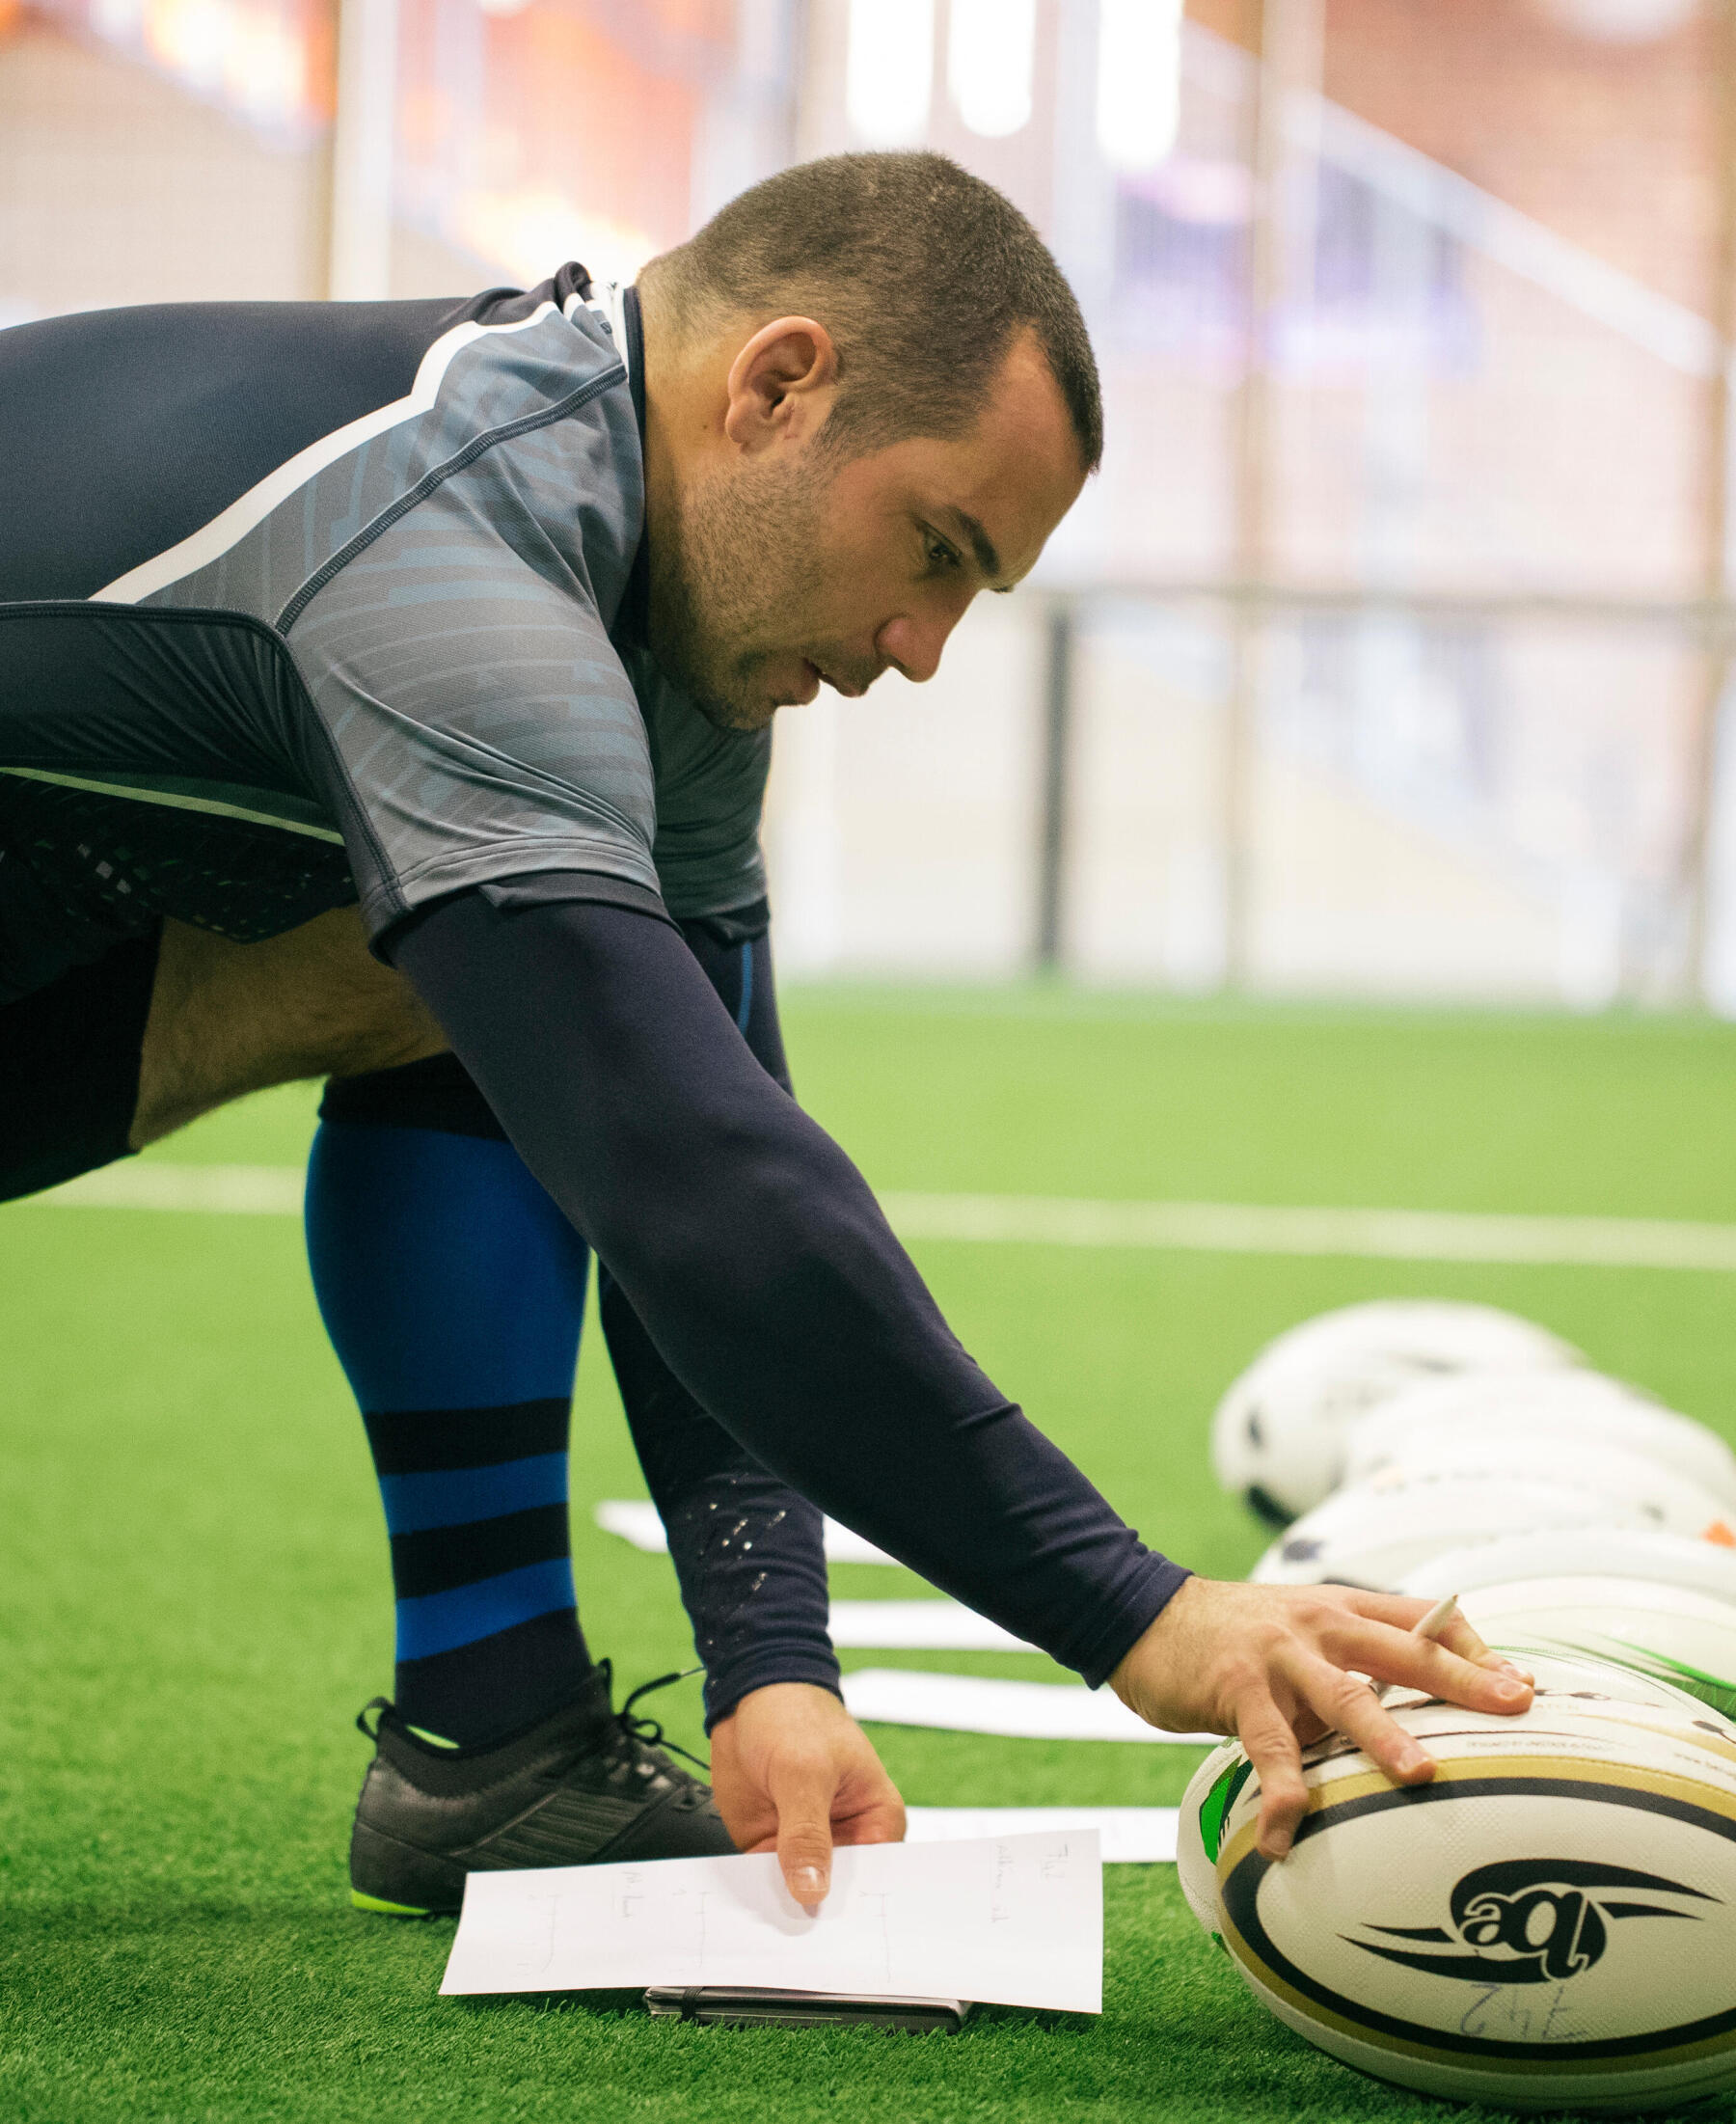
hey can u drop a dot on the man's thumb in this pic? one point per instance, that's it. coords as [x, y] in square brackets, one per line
[804, 1847]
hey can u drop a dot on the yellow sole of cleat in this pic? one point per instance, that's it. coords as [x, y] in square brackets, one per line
[384, 1909]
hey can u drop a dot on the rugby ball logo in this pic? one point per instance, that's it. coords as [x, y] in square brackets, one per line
[1529, 1920]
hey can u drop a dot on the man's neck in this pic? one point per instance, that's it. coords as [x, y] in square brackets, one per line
[633, 623]
[651, 394]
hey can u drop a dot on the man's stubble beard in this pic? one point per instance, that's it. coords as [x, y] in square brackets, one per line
[730, 577]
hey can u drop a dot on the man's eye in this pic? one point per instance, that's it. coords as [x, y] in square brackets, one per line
[940, 555]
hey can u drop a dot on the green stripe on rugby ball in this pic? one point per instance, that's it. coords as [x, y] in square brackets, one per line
[1671, 1633]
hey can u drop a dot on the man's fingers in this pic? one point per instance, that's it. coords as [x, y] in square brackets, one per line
[1414, 1663]
[1346, 1705]
[1461, 1638]
[1276, 1754]
[880, 1822]
[794, 1773]
[1459, 1667]
[1283, 1664]
[1402, 1611]
[804, 1799]
[1341, 1704]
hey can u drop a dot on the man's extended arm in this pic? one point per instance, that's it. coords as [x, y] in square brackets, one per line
[762, 1269]
[747, 1549]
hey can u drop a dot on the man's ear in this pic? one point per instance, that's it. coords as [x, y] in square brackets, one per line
[781, 384]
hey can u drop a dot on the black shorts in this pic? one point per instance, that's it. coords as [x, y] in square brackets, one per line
[69, 1067]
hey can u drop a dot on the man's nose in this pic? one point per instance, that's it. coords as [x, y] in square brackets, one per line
[913, 643]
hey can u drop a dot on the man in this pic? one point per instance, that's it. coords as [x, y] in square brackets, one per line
[455, 635]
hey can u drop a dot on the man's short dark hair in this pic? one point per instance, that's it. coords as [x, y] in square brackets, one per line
[923, 274]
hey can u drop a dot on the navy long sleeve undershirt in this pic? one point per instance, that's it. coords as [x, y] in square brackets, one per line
[762, 1270]
[749, 1551]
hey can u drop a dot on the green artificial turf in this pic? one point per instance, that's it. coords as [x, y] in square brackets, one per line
[196, 1598]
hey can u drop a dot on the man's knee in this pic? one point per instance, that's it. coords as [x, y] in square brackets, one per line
[228, 1019]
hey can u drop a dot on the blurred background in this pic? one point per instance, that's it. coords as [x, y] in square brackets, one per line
[1389, 653]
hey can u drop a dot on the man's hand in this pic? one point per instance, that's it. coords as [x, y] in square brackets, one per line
[1279, 1666]
[794, 1773]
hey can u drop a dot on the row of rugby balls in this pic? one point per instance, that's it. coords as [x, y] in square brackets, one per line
[1383, 1435]
[1550, 1923]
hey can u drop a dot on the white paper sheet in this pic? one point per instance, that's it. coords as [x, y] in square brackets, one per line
[1024, 1710]
[939, 1626]
[1016, 1920]
[1130, 1835]
[635, 1520]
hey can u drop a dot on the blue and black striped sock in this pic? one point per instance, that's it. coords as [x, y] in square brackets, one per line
[453, 1291]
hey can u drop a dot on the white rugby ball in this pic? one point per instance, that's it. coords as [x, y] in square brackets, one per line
[1278, 1436]
[1549, 1925]
[1571, 1407]
[1581, 1678]
[1212, 1788]
[1200, 1827]
[1670, 1501]
[1664, 1632]
[1385, 1528]
[1707, 1566]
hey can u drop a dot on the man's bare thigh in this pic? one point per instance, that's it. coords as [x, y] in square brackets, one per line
[227, 1018]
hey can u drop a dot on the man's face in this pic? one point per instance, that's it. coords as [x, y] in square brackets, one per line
[785, 568]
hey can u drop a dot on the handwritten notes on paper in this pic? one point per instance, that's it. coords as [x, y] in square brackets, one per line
[1016, 1919]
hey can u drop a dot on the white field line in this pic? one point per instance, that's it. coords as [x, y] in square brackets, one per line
[1057, 1220]
[1022, 1710]
[1381, 1235]
[934, 1625]
[137, 1184]
[636, 1519]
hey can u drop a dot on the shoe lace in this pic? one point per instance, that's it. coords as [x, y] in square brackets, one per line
[649, 1730]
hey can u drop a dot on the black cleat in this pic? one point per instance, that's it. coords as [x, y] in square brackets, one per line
[585, 1785]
